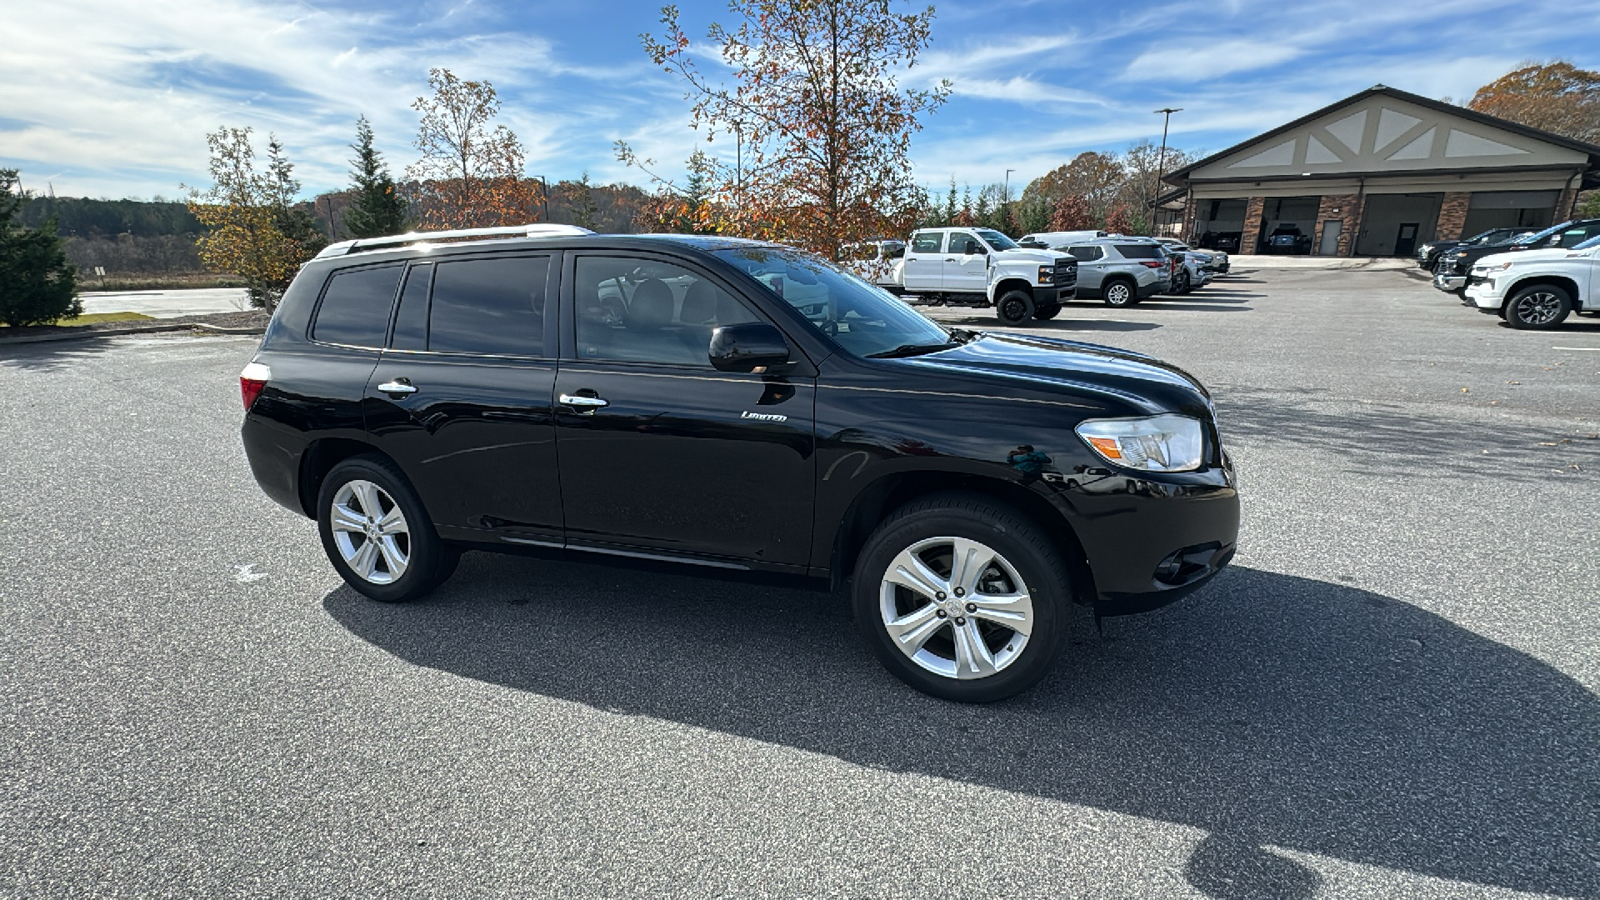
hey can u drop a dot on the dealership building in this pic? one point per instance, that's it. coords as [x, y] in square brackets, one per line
[1379, 173]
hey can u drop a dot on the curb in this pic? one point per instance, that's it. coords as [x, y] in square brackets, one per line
[119, 332]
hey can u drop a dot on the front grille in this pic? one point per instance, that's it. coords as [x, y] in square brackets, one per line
[1066, 275]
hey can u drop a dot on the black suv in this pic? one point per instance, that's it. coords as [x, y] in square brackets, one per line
[1454, 266]
[742, 407]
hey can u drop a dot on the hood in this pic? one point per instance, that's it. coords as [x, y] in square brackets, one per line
[1028, 254]
[1521, 256]
[1038, 366]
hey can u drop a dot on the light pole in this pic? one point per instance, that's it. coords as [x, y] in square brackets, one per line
[738, 172]
[1161, 161]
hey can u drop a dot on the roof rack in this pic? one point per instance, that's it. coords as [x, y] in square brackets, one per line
[414, 237]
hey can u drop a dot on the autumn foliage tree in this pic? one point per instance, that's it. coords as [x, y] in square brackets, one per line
[824, 124]
[1071, 213]
[1557, 97]
[470, 173]
[256, 229]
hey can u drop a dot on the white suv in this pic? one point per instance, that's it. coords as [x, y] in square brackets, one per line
[1537, 288]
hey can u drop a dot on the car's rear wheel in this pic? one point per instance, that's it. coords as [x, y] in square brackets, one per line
[377, 533]
[962, 598]
[1014, 307]
[1538, 307]
[1120, 292]
[1047, 312]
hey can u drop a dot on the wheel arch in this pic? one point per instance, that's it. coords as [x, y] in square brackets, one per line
[319, 459]
[1563, 282]
[894, 490]
[1007, 285]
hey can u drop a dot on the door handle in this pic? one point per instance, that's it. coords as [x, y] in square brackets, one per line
[584, 406]
[399, 387]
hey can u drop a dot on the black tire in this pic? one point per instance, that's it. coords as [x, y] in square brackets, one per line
[1185, 283]
[428, 560]
[1120, 292]
[1537, 307]
[1014, 307]
[1047, 312]
[1020, 547]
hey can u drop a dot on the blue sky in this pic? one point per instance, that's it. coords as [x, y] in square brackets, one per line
[111, 98]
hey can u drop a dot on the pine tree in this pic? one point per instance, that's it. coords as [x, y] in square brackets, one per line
[291, 217]
[584, 210]
[376, 209]
[37, 284]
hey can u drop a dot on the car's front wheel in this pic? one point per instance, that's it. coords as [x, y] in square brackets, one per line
[1183, 285]
[1538, 306]
[1014, 307]
[962, 598]
[377, 533]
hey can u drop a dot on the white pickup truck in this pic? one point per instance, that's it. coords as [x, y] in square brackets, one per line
[1537, 288]
[982, 267]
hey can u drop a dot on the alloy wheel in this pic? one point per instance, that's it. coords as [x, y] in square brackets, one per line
[956, 607]
[1538, 308]
[370, 532]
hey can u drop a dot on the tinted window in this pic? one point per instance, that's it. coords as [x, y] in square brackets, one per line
[490, 306]
[1086, 254]
[926, 243]
[355, 308]
[641, 310]
[1140, 251]
[959, 241]
[1576, 236]
[411, 322]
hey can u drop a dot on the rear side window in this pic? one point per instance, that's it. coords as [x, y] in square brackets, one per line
[926, 243]
[411, 322]
[1140, 251]
[1086, 254]
[355, 307]
[490, 306]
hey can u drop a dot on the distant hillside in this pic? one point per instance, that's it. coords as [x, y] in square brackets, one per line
[86, 218]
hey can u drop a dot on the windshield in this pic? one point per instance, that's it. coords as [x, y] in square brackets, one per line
[1540, 235]
[863, 319]
[1590, 244]
[996, 240]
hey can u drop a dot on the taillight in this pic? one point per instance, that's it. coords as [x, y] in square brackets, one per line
[1153, 263]
[251, 381]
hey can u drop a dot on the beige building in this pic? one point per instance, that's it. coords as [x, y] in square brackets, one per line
[1378, 174]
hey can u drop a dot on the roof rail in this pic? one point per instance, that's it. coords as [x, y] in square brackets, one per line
[414, 237]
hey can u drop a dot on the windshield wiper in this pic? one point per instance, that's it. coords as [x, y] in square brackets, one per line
[912, 350]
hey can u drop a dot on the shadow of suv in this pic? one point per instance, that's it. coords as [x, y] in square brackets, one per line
[741, 407]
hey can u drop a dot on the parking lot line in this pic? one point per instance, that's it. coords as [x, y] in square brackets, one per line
[1590, 349]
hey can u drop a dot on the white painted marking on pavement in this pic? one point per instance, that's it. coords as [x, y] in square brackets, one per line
[1590, 349]
[244, 575]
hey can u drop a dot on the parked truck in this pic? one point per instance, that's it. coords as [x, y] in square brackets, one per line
[982, 267]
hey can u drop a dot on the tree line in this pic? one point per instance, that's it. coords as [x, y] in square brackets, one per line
[809, 95]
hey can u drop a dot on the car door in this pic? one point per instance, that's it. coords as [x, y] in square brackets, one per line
[924, 262]
[966, 264]
[660, 453]
[1091, 267]
[462, 397]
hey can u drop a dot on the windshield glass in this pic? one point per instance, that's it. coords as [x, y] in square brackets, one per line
[997, 240]
[1540, 235]
[863, 319]
[1590, 244]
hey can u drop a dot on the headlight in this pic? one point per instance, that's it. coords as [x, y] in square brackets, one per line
[1165, 443]
[1046, 273]
[1500, 267]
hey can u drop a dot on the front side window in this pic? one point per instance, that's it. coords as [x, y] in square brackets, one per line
[492, 306]
[927, 242]
[960, 241]
[643, 310]
[355, 307]
[863, 319]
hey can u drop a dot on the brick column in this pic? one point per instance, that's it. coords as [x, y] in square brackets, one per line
[1453, 217]
[1191, 209]
[1564, 202]
[1250, 237]
[1340, 208]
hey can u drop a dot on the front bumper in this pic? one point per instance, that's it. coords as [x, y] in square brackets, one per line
[1485, 296]
[1449, 281]
[1149, 543]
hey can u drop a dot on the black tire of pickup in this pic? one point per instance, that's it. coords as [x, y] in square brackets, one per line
[1014, 307]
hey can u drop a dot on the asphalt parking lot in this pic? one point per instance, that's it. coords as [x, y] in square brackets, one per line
[1391, 693]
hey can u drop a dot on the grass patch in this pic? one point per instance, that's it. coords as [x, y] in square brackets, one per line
[92, 318]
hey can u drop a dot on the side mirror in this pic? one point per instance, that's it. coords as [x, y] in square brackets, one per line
[750, 347]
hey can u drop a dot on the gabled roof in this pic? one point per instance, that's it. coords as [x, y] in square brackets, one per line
[1181, 176]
